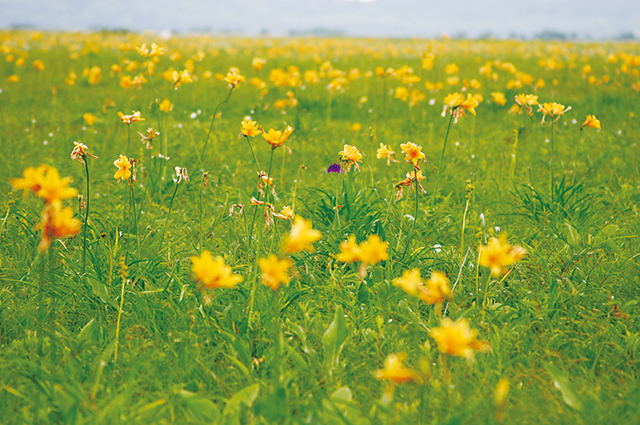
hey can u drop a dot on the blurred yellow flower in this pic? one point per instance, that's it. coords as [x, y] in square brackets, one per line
[89, 118]
[401, 93]
[94, 75]
[258, 63]
[350, 252]
[31, 179]
[274, 271]
[436, 290]
[181, 77]
[591, 121]
[457, 339]
[498, 97]
[302, 237]
[234, 79]
[212, 273]
[374, 250]
[395, 371]
[13, 79]
[498, 254]
[410, 281]
[57, 223]
[166, 105]
[38, 65]
[53, 188]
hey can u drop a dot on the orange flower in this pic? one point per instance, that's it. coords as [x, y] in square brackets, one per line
[57, 223]
[592, 122]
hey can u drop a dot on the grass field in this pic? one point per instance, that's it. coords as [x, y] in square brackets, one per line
[127, 319]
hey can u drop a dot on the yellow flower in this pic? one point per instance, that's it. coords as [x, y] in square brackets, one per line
[592, 122]
[286, 213]
[416, 97]
[552, 110]
[249, 128]
[498, 97]
[498, 254]
[143, 50]
[437, 289]
[385, 152]
[31, 180]
[81, 152]
[351, 155]
[413, 152]
[526, 102]
[38, 65]
[469, 104]
[302, 237]
[124, 168]
[401, 93]
[457, 339]
[258, 63]
[13, 79]
[350, 252]
[181, 77]
[274, 271]
[212, 272]
[409, 282]
[156, 51]
[128, 119]
[89, 118]
[57, 223]
[457, 105]
[53, 188]
[94, 75]
[71, 79]
[276, 138]
[452, 68]
[374, 250]
[395, 371]
[233, 79]
[166, 105]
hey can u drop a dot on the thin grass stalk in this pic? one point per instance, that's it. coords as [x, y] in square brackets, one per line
[444, 146]
[166, 221]
[135, 216]
[86, 220]
[204, 148]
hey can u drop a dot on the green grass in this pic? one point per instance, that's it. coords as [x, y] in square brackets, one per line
[563, 325]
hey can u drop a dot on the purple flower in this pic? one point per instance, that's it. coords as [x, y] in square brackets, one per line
[333, 168]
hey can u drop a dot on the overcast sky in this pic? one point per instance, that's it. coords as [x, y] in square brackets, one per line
[391, 18]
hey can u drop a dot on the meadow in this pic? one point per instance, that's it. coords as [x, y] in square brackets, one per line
[318, 230]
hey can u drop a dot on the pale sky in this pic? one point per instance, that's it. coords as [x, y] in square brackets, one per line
[378, 18]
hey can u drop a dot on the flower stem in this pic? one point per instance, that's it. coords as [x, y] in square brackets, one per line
[124, 281]
[135, 216]
[204, 148]
[164, 228]
[128, 138]
[86, 220]
[551, 166]
[444, 146]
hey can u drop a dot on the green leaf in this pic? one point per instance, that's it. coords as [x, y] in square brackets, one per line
[334, 338]
[200, 408]
[561, 382]
[246, 396]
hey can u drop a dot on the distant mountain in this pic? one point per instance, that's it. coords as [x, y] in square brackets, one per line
[392, 18]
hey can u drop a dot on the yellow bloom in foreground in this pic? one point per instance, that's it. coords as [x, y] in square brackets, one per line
[302, 236]
[276, 138]
[212, 272]
[395, 371]
[413, 152]
[592, 122]
[457, 339]
[53, 188]
[351, 155]
[31, 179]
[409, 282]
[350, 252]
[57, 223]
[234, 79]
[124, 168]
[374, 250]
[89, 118]
[249, 128]
[274, 271]
[552, 110]
[498, 254]
[437, 289]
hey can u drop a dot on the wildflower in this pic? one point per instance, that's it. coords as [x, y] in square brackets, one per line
[436, 290]
[258, 63]
[31, 180]
[249, 128]
[143, 50]
[374, 250]
[552, 110]
[409, 282]
[38, 65]
[148, 138]
[457, 339]
[302, 236]
[334, 168]
[89, 118]
[81, 152]
[156, 51]
[274, 271]
[265, 180]
[350, 252]
[276, 138]
[53, 188]
[212, 273]
[498, 97]
[457, 105]
[498, 254]
[124, 168]
[385, 152]
[592, 122]
[526, 102]
[166, 105]
[416, 97]
[351, 156]
[411, 177]
[234, 79]
[128, 119]
[13, 79]
[286, 213]
[413, 152]
[401, 93]
[395, 371]
[57, 223]
[181, 174]
[181, 77]
[94, 75]
[71, 79]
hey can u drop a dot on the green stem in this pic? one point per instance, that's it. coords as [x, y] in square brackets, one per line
[255, 159]
[124, 281]
[266, 191]
[551, 166]
[204, 148]
[135, 216]
[128, 137]
[164, 228]
[464, 223]
[86, 220]
[435, 192]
